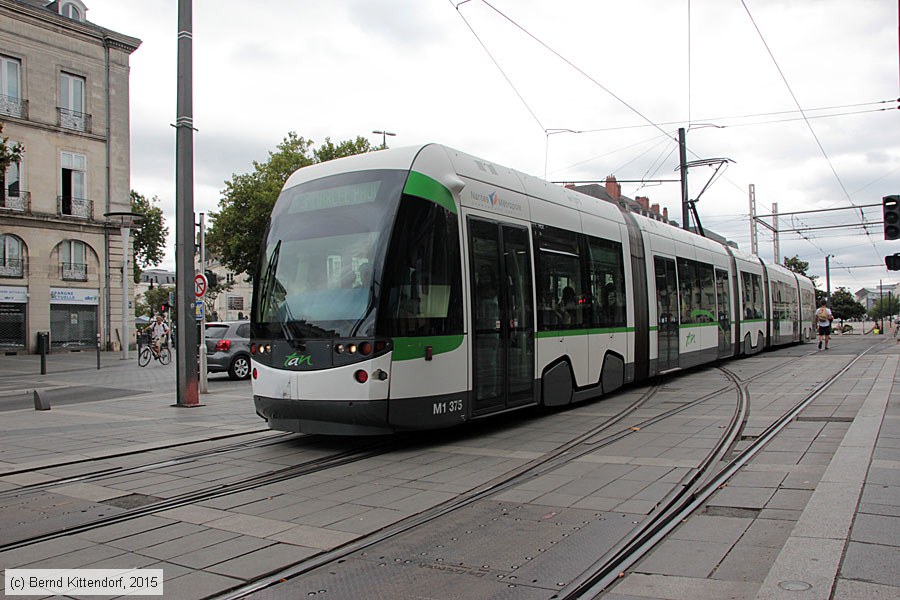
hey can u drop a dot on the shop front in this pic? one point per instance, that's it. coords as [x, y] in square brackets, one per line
[13, 305]
[74, 317]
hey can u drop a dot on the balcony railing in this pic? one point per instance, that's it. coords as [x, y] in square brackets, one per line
[13, 106]
[71, 119]
[12, 267]
[81, 208]
[73, 272]
[18, 202]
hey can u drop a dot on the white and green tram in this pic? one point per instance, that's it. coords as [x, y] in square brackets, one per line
[422, 287]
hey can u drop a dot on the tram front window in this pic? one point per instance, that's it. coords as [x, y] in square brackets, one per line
[324, 250]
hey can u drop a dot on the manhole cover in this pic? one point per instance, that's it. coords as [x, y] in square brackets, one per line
[794, 586]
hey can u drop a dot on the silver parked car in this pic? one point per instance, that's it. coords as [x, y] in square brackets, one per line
[228, 348]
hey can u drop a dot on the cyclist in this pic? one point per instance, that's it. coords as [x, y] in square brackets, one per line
[158, 330]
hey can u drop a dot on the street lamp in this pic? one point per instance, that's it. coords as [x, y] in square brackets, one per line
[384, 135]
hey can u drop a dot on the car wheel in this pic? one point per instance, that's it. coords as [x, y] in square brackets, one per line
[240, 368]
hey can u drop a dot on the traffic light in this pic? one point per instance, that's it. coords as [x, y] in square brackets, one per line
[893, 262]
[164, 308]
[890, 205]
[212, 280]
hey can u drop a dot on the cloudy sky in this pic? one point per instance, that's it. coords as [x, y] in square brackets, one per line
[568, 89]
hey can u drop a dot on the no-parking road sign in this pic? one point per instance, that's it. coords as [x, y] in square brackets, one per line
[200, 285]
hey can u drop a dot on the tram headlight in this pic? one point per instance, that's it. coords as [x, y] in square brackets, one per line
[351, 348]
[339, 348]
[253, 349]
[365, 348]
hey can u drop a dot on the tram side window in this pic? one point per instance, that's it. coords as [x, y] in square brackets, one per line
[707, 289]
[422, 286]
[561, 300]
[752, 291]
[777, 304]
[690, 290]
[793, 309]
[607, 273]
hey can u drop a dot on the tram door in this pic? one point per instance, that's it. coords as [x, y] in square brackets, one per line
[667, 313]
[503, 316]
[723, 299]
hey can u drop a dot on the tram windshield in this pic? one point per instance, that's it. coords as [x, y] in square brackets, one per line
[326, 240]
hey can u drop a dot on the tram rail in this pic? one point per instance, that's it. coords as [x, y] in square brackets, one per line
[581, 445]
[672, 508]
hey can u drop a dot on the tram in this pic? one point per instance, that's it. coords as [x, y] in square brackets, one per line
[422, 287]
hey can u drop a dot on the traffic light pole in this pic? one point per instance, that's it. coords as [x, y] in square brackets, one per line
[186, 334]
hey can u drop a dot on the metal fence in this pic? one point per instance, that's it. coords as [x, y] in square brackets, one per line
[12, 325]
[73, 325]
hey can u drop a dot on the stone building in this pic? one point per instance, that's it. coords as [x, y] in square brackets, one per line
[64, 95]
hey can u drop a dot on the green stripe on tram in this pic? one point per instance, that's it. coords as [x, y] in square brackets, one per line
[411, 348]
[693, 325]
[424, 186]
[571, 332]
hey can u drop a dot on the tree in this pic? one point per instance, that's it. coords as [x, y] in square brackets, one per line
[150, 236]
[10, 154]
[156, 297]
[237, 229]
[885, 307]
[845, 306]
[799, 266]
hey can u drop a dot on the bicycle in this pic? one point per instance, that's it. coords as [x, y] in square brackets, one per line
[148, 351]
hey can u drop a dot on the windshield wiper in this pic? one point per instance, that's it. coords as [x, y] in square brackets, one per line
[269, 280]
[373, 296]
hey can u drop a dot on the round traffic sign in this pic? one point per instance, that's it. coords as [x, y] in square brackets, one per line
[200, 285]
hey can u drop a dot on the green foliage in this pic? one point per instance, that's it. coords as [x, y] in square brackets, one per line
[799, 266]
[141, 308]
[820, 295]
[156, 297]
[237, 230]
[150, 235]
[845, 306]
[885, 307]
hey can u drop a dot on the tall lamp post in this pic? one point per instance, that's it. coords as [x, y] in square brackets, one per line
[384, 135]
[126, 221]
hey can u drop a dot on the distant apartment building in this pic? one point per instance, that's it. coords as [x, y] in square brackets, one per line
[64, 96]
[229, 301]
[611, 191]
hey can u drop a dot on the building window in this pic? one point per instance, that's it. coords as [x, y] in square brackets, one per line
[235, 303]
[73, 202]
[71, 11]
[11, 195]
[73, 260]
[10, 87]
[71, 103]
[11, 252]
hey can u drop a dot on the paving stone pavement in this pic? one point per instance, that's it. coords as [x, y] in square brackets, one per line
[819, 507]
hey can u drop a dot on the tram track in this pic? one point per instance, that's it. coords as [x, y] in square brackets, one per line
[94, 459]
[306, 468]
[589, 441]
[668, 513]
[102, 474]
[309, 467]
[608, 569]
[565, 453]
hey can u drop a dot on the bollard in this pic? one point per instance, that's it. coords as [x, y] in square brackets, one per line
[41, 402]
[43, 339]
[98, 350]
